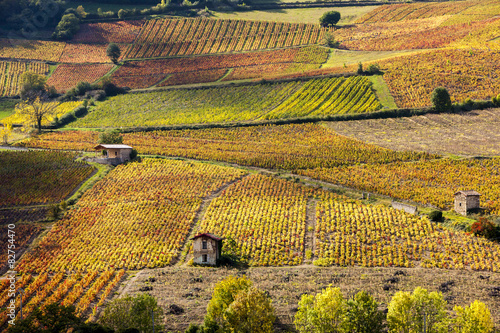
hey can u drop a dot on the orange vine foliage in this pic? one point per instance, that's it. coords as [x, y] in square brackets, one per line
[426, 182]
[138, 216]
[265, 216]
[473, 74]
[277, 147]
[350, 233]
[67, 76]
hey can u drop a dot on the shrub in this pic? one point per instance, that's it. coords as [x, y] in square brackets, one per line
[483, 227]
[110, 137]
[373, 69]
[82, 87]
[113, 52]
[329, 40]
[67, 27]
[436, 215]
[360, 69]
[329, 18]
[441, 100]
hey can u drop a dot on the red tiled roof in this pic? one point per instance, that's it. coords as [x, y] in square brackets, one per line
[207, 235]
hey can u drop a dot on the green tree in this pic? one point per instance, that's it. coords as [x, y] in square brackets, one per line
[133, 312]
[224, 294]
[113, 52]
[67, 27]
[475, 318]
[321, 314]
[411, 313]
[441, 100]
[32, 84]
[330, 18]
[362, 314]
[53, 318]
[250, 312]
[110, 137]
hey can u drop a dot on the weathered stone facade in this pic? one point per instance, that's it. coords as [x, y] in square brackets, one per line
[465, 201]
[206, 249]
[115, 154]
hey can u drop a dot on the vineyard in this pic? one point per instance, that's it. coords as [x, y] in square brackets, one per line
[265, 216]
[274, 147]
[426, 182]
[31, 49]
[318, 97]
[85, 53]
[35, 177]
[406, 35]
[79, 289]
[108, 32]
[183, 37]
[60, 110]
[466, 74]
[10, 75]
[143, 211]
[143, 74]
[67, 76]
[349, 233]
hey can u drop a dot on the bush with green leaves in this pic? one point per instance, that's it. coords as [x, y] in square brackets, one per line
[441, 100]
[417, 311]
[110, 137]
[330, 18]
[67, 27]
[329, 40]
[236, 306]
[436, 215]
[113, 51]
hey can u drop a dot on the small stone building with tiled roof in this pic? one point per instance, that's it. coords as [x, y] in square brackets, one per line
[465, 201]
[207, 249]
[115, 153]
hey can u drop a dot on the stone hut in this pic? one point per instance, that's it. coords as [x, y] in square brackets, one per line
[465, 201]
[207, 249]
[115, 154]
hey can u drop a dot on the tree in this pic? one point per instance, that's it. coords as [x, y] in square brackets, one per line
[441, 100]
[113, 52]
[53, 318]
[321, 314]
[224, 294]
[329, 18]
[250, 312]
[32, 84]
[34, 110]
[67, 27]
[92, 328]
[110, 137]
[6, 131]
[362, 314]
[473, 319]
[411, 313]
[132, 312]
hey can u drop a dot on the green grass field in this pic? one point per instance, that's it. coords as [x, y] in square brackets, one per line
[339, 58]
[298, 15]
[7, 107]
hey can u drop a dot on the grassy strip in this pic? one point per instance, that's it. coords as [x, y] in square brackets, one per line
[382, 90]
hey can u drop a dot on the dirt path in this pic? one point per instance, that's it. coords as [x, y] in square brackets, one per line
[200, 214]
[309, 238]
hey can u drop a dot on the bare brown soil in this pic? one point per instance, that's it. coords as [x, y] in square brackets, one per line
[191, 287]
[468, 133]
